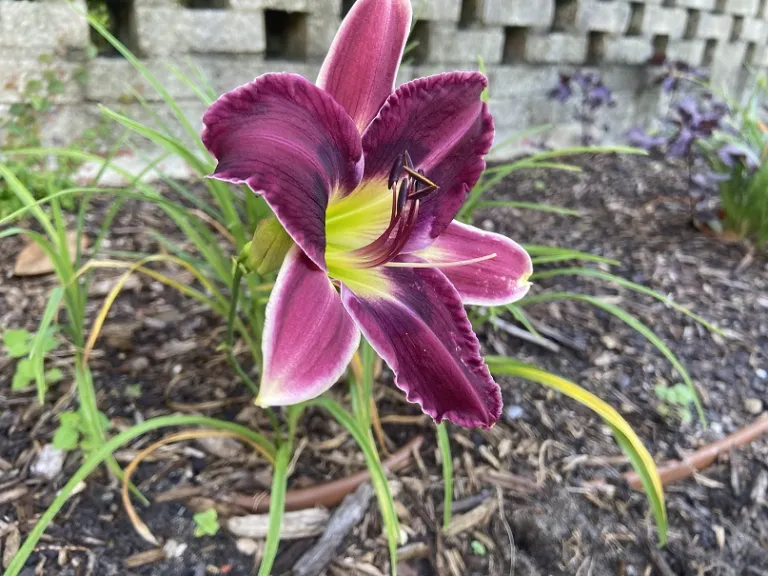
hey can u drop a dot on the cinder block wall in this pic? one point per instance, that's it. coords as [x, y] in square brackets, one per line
[524, 44]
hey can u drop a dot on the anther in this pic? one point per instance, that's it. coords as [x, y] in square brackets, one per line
[407, 158]
[396, 172]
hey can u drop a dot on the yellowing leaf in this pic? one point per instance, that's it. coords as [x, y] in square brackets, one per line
[641, 460]
[33, 261]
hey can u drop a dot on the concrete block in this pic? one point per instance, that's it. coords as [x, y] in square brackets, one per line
[658, 20]
[16, 72]
[742, 7]
[754, 30]
[43, 25]
[523, 13]
[521, 81]
[708, 5]
[438, 10]
[556, 48]
[714, 26]
[627, 50]
[727, 63]
[593, 15]
[284, 5]
[690, 51]
[760, 57]
[222, 31]
[321, 30]
[158, 30]
[449, 44]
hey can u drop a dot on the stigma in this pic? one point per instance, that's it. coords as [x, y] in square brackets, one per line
[409, 186]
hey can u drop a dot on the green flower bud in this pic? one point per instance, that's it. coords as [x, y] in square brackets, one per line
[270, 244]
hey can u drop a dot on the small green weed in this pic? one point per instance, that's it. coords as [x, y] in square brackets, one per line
[73, 431]
[18, 344]
[206, 523]
[676, 400]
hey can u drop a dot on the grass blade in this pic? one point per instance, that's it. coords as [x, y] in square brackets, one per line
[627, 439]
[590, 272]
[276, 508]
[36, 355]
[633, 323]
[378, 475]
[527, 206]
[444, 443]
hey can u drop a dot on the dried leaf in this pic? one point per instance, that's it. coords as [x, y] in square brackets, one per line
[301, 524]
[33, 261]
[12, 543]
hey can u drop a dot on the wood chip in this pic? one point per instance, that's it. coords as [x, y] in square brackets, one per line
[13, 494]
[300, 524]
[33, 261]
[476, 517]
[12, 543]
[144, 558]
[507, 481]
[343, 521]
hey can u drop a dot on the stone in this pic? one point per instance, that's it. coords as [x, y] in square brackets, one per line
[708, 5]
[284, 5]
[222, 31]
[754, 30]
[49, 462]
[753, 406]
[662, 21]
[47, 25]
[524, 13]
[690, 51]
[627, 50]
[521, 81]
[556, 48]
[742, 7]
[247, 546]
[449, 44]
[593, 15]
[16, 73]
[714, 26]
[437, 10]
[158, 30]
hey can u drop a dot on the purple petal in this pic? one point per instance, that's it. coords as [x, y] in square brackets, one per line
[495, 282]
[446, 128]
[421, 330]
[732, 155]
[308, 336]
[291, 142]
[361, 66]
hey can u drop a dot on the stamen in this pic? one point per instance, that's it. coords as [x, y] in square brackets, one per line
[440, 264]
[402, 196]
[396, 172]
[408, 163]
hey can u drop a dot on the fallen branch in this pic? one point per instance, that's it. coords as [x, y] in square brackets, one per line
[327, 495]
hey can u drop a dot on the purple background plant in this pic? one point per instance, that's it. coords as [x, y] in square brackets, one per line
[592, 94]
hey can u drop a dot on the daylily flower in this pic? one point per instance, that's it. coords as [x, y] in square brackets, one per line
[367, 180]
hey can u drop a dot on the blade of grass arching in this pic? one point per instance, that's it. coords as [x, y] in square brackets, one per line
[149, 77]
[577, 150]
[205, 96]
[219, 190]
[608, 277]
[27, 199]
[276, 507]
[527, 206]
[97, 457]
[627, 439]
[378, 475]
[168, 143]
[633, 323]
[522, 317]
[523, 164]
[481, 68]
[36, 353]
[541, 253]
[444, 443]
[205, 82]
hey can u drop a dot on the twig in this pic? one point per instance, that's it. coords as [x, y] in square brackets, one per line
[559, 337]
[344, 519]
[682, 469]
[327, 495]
[513, 330]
